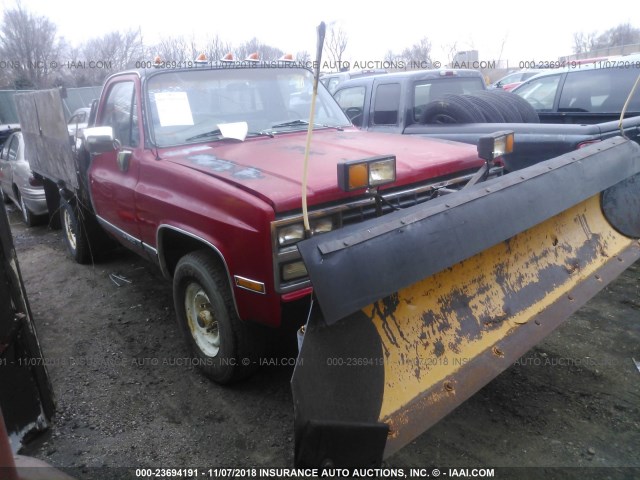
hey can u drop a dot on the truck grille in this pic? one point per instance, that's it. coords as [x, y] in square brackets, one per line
[355, 212]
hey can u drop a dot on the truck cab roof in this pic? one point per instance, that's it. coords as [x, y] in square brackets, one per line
[332, 80]
[417, 75]
[377, 100]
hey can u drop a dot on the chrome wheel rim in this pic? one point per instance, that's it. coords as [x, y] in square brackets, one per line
[201, 320]
[68, 229]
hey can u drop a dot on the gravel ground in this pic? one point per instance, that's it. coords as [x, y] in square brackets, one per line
[126, 399]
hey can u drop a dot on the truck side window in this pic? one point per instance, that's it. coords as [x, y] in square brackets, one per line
[578, 95]
[386, 104]
[120, 113]
[351, 100]
[332, 84]
[599, 91]
[541, 93]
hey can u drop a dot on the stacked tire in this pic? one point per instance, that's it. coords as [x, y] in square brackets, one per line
[489, 106]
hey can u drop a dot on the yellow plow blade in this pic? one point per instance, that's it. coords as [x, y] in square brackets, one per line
[445, 337]
[388, 355]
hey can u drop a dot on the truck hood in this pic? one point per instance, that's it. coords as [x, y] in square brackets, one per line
[271, 168]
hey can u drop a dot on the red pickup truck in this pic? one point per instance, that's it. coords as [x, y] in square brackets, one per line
[200, 170]
[422, 300]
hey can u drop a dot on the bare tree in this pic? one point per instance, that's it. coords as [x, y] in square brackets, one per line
[451, 50]
[264, 51]
[302, 57]
[215, 48]
[584, 42]
[171, 49]
[336, 43]
[418, 55]
[623, 34]
[502, 44]
[31, 43]
[112, 53]
[120, 49]
[393, 61]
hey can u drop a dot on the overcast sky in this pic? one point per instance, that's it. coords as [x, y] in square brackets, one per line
[537, 30]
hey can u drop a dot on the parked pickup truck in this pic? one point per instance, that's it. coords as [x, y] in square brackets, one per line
[199, 170]
[430, 272]
[396, 104]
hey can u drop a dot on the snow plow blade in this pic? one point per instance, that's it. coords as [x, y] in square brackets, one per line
[421, 308]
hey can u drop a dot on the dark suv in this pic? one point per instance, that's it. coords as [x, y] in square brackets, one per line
[587, 93]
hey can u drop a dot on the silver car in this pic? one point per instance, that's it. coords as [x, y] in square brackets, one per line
[17, 182]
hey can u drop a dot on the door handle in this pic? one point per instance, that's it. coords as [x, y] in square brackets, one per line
[123, 159]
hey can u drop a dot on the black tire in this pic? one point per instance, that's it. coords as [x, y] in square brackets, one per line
[53, 204]
[28, 217]
[451, 109]
[509, 112]
[526, 110]
[74, 231]
[492, 113]
[221, 344]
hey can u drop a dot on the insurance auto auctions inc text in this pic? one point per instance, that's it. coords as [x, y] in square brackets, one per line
[369, 473]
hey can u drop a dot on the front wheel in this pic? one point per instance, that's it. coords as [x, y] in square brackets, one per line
[74, 232]
[219, 340]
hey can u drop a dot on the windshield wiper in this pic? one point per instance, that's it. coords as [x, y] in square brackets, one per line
[295, 123]
[210, 133]
[260, 134]
[217, 131]
[292, 123]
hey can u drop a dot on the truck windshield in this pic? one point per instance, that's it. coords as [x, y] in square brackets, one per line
[188, 106]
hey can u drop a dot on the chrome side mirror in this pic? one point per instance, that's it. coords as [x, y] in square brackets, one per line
[100, 140]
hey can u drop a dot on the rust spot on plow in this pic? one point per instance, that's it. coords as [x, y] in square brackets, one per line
[573, 267]
[438, 348]
[497, 352]
[385, 310]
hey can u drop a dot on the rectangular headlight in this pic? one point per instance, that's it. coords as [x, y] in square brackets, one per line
[291, 271]
[322, 225]
[290, 234]
[371, 172]
[495, 145]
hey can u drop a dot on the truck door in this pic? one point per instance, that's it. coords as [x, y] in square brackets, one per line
[113, 175]
[386, 114]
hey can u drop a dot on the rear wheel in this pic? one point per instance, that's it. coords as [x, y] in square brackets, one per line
[220, 342]
[74, 232]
